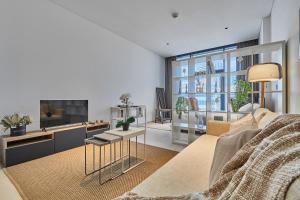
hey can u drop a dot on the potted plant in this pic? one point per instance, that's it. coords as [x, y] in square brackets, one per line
[127, 120]
[16, 123]
[125, 124]
[243, 89]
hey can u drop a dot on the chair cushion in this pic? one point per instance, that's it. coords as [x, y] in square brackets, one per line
[225, 149]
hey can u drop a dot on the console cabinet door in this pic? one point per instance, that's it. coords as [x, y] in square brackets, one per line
[27, 152]
[69, 139]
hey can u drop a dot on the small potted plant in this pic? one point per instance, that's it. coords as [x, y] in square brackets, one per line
[125, 124]
[16, 123]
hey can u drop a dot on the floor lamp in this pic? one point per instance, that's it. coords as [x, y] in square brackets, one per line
[264, 73]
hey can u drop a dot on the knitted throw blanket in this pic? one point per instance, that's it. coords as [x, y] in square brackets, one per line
[262, 169]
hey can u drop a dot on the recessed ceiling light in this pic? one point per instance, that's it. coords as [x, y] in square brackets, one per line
[226, 28]
[167, 43]
[175, 15]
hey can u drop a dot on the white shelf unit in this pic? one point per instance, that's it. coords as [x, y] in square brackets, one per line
[117, 113]
[211, 79]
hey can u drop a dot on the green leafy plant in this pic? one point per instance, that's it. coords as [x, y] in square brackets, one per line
[15, 120]
[182, 105]
[243, 89]
[126, 122]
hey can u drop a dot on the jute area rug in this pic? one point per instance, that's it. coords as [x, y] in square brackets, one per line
[61, 176]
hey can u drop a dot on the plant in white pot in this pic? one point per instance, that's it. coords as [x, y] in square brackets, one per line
[16, 123]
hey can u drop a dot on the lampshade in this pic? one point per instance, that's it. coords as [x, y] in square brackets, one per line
[264, 72]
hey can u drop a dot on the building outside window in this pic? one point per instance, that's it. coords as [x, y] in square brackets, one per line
[218, 99]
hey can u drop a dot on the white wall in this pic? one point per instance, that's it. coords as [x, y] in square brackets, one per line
[47, 52]
[265, 30]
[285, 26]
[265, 37]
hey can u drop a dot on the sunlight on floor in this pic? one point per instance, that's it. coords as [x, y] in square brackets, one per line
[160, 138]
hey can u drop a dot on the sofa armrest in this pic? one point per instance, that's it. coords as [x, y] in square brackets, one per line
[217, 128]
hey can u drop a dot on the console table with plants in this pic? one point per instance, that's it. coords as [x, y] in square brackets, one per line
[214, 86]
[127, 113]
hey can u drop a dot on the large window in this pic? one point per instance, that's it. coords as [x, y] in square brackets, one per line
[219, 67]
[207, 51]
[204, 87]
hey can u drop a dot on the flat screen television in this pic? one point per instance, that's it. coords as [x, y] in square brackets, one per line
[62, 112]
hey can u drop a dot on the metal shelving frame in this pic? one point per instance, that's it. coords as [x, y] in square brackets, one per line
[184, 130]
[117, 113]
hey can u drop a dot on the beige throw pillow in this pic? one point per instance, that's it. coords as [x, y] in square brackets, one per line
[260, 111]
[245, 123]
[225, 149]
[268, 117]
[259, 117]
[249, 107]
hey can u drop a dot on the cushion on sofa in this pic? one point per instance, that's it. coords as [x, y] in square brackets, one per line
[259, 111]
[269, 116]
[293, 192]
[247, 122]
[259, 117]
[248, 107]
[225, 149]
[217, 128]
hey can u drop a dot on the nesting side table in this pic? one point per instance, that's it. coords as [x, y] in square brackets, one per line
[110, 138]
[133, 132]
[101, 140]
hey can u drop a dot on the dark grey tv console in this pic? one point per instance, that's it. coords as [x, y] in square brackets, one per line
[37, 144]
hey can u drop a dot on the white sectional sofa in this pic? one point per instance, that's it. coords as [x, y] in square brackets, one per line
[179, 175]
[189, 170]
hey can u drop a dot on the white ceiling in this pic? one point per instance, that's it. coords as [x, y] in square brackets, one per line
[200, 24]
